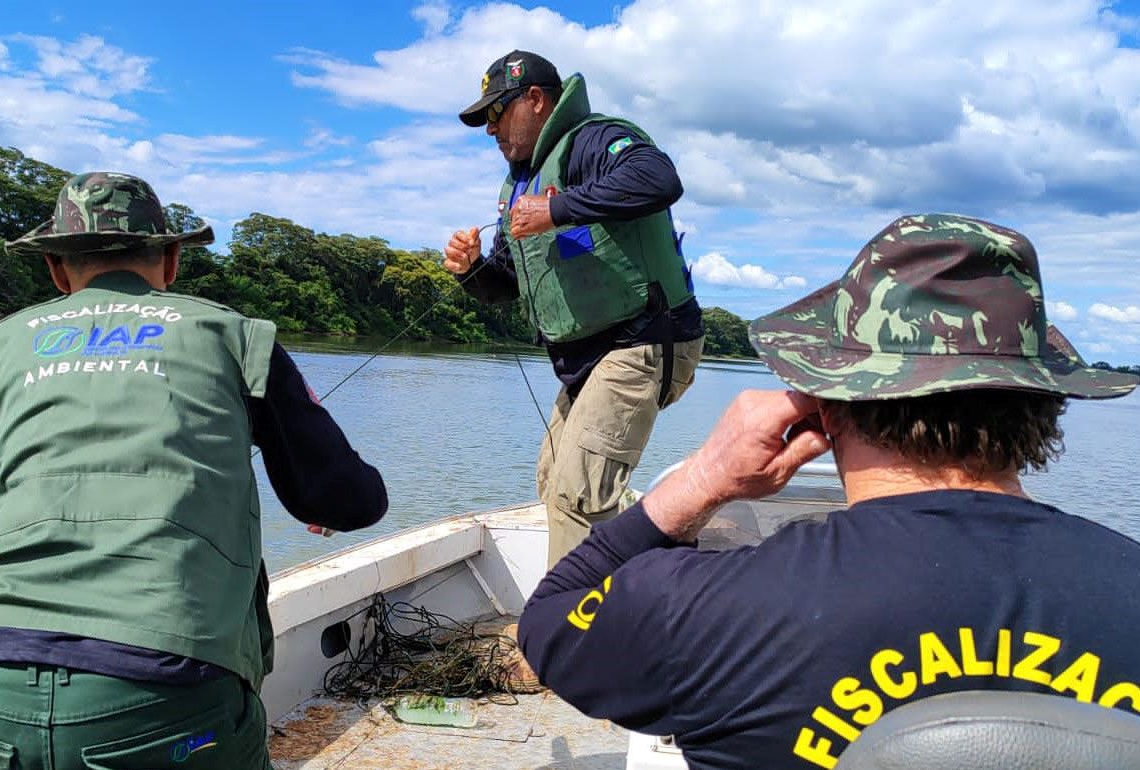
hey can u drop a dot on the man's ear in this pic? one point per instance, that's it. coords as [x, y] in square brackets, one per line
[170, 262]
[540, 98]
[58, 274]
[833, 422]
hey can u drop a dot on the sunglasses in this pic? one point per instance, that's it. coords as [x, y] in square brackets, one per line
[496, 108]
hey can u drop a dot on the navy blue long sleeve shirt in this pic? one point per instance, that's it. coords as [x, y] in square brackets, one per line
[777, 655]
[637, 181]
[315, 473]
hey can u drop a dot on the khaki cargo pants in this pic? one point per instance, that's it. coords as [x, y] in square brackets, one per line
[595, 442]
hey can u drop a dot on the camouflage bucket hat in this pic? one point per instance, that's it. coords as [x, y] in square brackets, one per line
[933, 303]
[104, 212]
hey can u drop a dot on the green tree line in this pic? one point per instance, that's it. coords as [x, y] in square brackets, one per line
[302, 280]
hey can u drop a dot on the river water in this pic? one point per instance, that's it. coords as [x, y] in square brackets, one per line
[455, 429]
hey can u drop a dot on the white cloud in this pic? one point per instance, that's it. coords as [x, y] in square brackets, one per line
[3, 57]
[1128, 25]
[322, 138]
[30, 103]
[181, 151]
[434, 15]
[1010, 109]
[89, 66]
[448, 67]
[685, 227]
[1126, 315]
[414, 187]
[714, 268]
[1061, 311]
[207, 145]
[66, 110]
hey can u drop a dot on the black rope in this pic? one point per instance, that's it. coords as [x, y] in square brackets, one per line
[405, 650]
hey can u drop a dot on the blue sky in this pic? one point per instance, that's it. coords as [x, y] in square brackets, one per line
[799, 129]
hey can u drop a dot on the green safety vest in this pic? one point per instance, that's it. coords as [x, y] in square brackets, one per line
[128, 504]
[579, 280]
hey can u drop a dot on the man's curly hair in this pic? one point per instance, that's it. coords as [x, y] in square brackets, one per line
[983, 431]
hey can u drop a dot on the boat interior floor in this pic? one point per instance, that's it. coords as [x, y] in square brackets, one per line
[539, 732]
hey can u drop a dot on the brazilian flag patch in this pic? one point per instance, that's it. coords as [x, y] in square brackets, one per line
[619, 145]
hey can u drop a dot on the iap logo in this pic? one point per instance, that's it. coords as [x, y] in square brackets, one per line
[57, 341]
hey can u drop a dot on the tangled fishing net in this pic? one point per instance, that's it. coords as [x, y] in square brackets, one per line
[404, 650]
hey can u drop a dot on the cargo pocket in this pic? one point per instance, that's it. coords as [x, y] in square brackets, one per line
[594, 481]
[609, 425]
[195, 743]
[686, 358]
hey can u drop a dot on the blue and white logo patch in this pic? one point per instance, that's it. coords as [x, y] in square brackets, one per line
[56, 341]
[98, 351]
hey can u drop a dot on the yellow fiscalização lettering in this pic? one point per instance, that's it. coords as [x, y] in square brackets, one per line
[850, 695]
[1114, 695]
[1027, 667]
[971, 666]
[1079, 678]
[582, 616]
[900, 690]
[896, 680]
[816, 751]
[936, 659]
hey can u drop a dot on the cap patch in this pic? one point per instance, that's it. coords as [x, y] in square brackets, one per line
[486, 82]
[515, 71]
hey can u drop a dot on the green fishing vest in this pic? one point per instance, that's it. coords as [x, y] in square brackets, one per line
[128, 505]
[578, 280]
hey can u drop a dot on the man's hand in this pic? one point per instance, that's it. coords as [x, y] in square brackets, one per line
[530, 216]
[745, 457]
[317, 529]
[462, 250]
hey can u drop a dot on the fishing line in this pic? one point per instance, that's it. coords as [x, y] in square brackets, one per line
[534, 398]
[446, 295]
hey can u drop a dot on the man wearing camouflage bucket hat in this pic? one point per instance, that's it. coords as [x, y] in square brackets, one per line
[105, 213]
[134, 629]
[932, 373]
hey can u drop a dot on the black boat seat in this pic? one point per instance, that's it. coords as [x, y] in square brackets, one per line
[992, 730]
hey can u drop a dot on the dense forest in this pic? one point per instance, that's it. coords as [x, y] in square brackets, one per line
[303, 280]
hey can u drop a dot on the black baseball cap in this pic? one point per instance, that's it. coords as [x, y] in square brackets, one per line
[517, 70]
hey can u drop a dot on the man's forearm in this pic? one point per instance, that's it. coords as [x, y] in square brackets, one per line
[313, 469]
